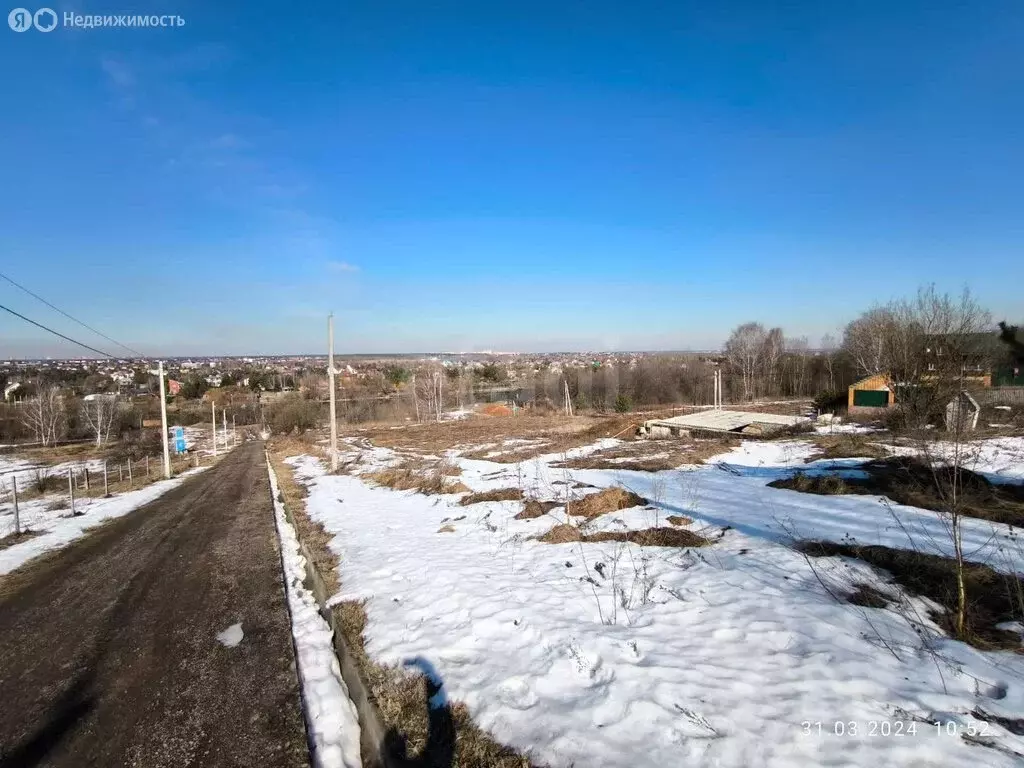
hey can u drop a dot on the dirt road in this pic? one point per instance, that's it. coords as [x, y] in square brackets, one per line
[108, 649]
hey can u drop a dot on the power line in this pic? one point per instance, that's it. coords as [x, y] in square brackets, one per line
[56, 333]
[69, 317]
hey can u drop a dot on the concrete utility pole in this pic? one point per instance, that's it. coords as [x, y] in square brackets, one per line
[213, 425]
[330, 385]
[224, 420]
[163, 425]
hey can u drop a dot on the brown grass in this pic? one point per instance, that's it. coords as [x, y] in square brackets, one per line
[564, 533]
[632, 456]
[399, 697]
[293, 496]
[416, 475]
[446, 529]
[600, 503]
[823, 485]
[992, 597]
[16, 538]
[500, 494]
[678, 520]
[534, 508]
[848, 446]
[911, 482]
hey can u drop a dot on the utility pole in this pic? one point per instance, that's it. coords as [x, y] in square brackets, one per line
[224, 420]
[213, 425]
[163, 424]
[330, 385]
[17, 519]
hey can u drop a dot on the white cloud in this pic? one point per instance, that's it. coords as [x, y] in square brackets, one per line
[342, 266]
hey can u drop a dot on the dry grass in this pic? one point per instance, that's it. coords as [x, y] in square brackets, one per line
[534, 509]
[564, 533]
[678, 520]
[500, 494]
[600, 503]
[911, 482]
[552, 433]
[293, 495]
[446, 529]
[651, 455]
[425, 477]
[823, 485]
[16, 538]
[992, 597]
[848, 446]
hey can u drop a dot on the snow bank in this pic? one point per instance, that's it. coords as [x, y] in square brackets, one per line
[728, 655]
[330, 714]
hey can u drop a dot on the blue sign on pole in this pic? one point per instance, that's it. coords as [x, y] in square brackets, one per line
[179, 439]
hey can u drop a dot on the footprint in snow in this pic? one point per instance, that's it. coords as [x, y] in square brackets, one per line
[231, 636]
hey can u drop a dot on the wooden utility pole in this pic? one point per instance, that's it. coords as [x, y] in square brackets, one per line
[330, 385]
[71, 489]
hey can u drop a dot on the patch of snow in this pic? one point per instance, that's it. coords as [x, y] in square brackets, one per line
[330, 714]
[231, 636]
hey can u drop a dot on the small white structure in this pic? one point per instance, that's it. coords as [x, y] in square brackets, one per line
[720, 421]
[962, 413]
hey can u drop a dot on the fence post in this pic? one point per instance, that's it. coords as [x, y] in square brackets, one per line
[147, 467]
[86, 470]
[17, 519]
[120, 473]
[129, 472]
[105, 491]
[71, 489]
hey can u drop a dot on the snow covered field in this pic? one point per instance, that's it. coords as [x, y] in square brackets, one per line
[733, 654]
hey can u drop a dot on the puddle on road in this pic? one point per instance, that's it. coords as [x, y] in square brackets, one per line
[231, 636]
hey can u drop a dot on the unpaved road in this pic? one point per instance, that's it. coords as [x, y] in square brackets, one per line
[108, 649]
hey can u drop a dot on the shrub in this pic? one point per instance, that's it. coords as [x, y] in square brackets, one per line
[293, 414]
[830, 400]
[623, 404]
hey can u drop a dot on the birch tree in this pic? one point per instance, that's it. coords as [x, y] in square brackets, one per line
[44, 415]
[99, 415]
[744, 350]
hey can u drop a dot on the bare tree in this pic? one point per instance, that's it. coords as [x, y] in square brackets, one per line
[829, 347]
[99, 416]
[865, 340]
[744, 351]
[774, 346]
[44, 415]
[937, 348]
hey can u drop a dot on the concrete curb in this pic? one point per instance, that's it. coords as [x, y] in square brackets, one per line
[371, 729]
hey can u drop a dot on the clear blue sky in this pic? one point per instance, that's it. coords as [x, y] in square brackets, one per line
[459, 176]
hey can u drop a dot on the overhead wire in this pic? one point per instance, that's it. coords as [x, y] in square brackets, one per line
[57, 333]
[69, 317]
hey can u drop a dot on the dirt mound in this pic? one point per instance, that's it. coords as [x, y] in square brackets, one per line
[496, 410]
[499, 494]
[564, 533]
[602, 502]
[533, 508]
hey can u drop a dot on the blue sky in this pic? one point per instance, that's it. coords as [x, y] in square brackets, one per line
[491, 175]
